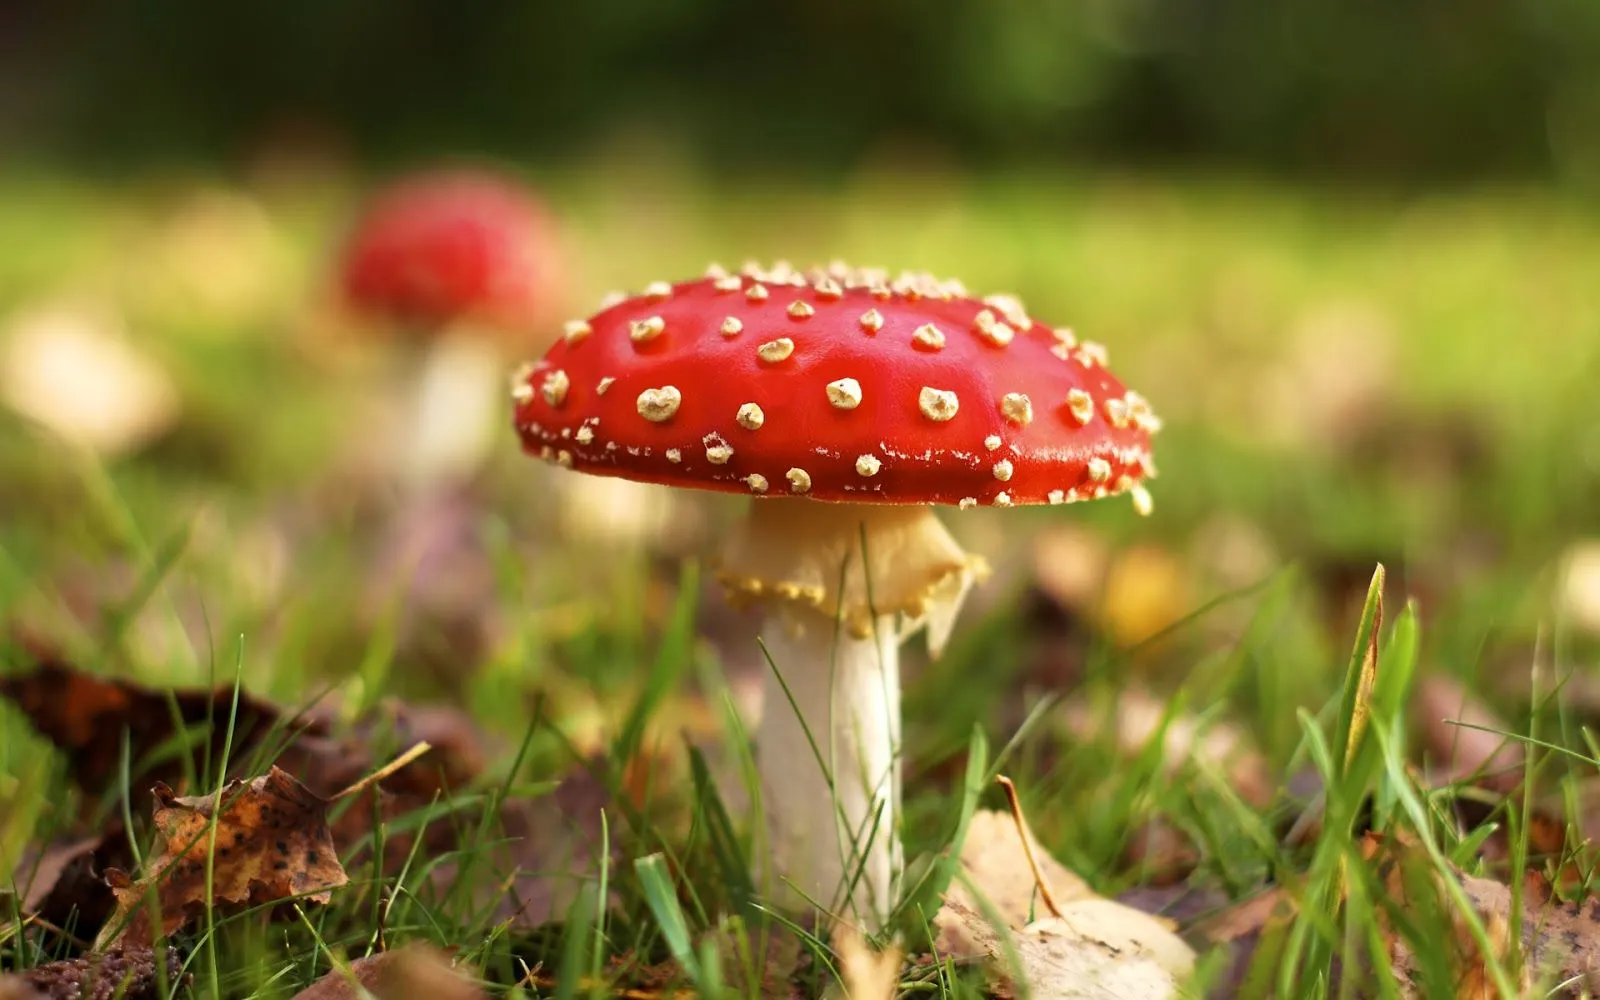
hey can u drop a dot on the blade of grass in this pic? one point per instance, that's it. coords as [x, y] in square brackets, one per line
[215, 822]
[662, 899]
[575, 943]
[671, 660]
[732, 864]
[925, 894]
[1356, 702]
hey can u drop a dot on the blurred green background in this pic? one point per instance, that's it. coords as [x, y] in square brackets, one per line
[1420, 90]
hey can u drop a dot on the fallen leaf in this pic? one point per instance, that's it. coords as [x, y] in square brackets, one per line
[1453, 725]
[272, 843]
[993, 859]
[432, 573]
[1560, 941]
[1086, 947]
[1180, 904]
[865, 974]
[414, 972]
[88, 717]
[1129, 594]
[64, 885]
[1070, 565]
[1146, 590]
[1097, 949]
[118, 974]
[459, 753]
[1160, 854]
[1244, 917]
[1250, 933]
[1462, 737]
[529, 873]
[17, 988]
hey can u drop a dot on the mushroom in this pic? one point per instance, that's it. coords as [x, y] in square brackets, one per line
[462, 263]
[846, 404]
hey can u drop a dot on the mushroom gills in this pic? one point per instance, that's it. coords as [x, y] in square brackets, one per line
[808, 555]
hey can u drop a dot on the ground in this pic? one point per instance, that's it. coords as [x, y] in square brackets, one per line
[1346, 379]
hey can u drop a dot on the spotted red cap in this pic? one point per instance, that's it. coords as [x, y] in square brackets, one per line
[837, 385]
[452, 244]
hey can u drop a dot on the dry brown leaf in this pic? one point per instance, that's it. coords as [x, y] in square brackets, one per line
[1087, 947]
[993, 859]
[458, 756]
[530, 872]
[415, 972]
[1069, 565]
[272, 843]
[1097, 949]
[86, 716]
[63, 884]
[433, 573]
[1465, 753]
[1181, 904]
[1559, 942]
[1245, 917]
[17, 988]
[1129, 594]
[1160, 854]
[121, 973]
[1146, 590]
[1462, 735]
[865, 974]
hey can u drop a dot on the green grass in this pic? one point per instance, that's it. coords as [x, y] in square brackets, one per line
[242, 545]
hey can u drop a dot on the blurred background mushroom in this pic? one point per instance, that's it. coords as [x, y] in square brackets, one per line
[462, 268]
[70, 366]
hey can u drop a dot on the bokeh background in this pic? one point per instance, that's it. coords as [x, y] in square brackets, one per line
[1351, 252]
[1423, 92]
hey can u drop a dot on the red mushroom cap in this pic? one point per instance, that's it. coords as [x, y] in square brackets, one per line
[451, 245]
[840, 385]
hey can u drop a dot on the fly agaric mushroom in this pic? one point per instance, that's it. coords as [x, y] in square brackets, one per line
[463, 264]
[846, 405]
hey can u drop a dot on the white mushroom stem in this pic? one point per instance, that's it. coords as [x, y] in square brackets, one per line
[452, 398]
[842, 586]
[830, 761]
